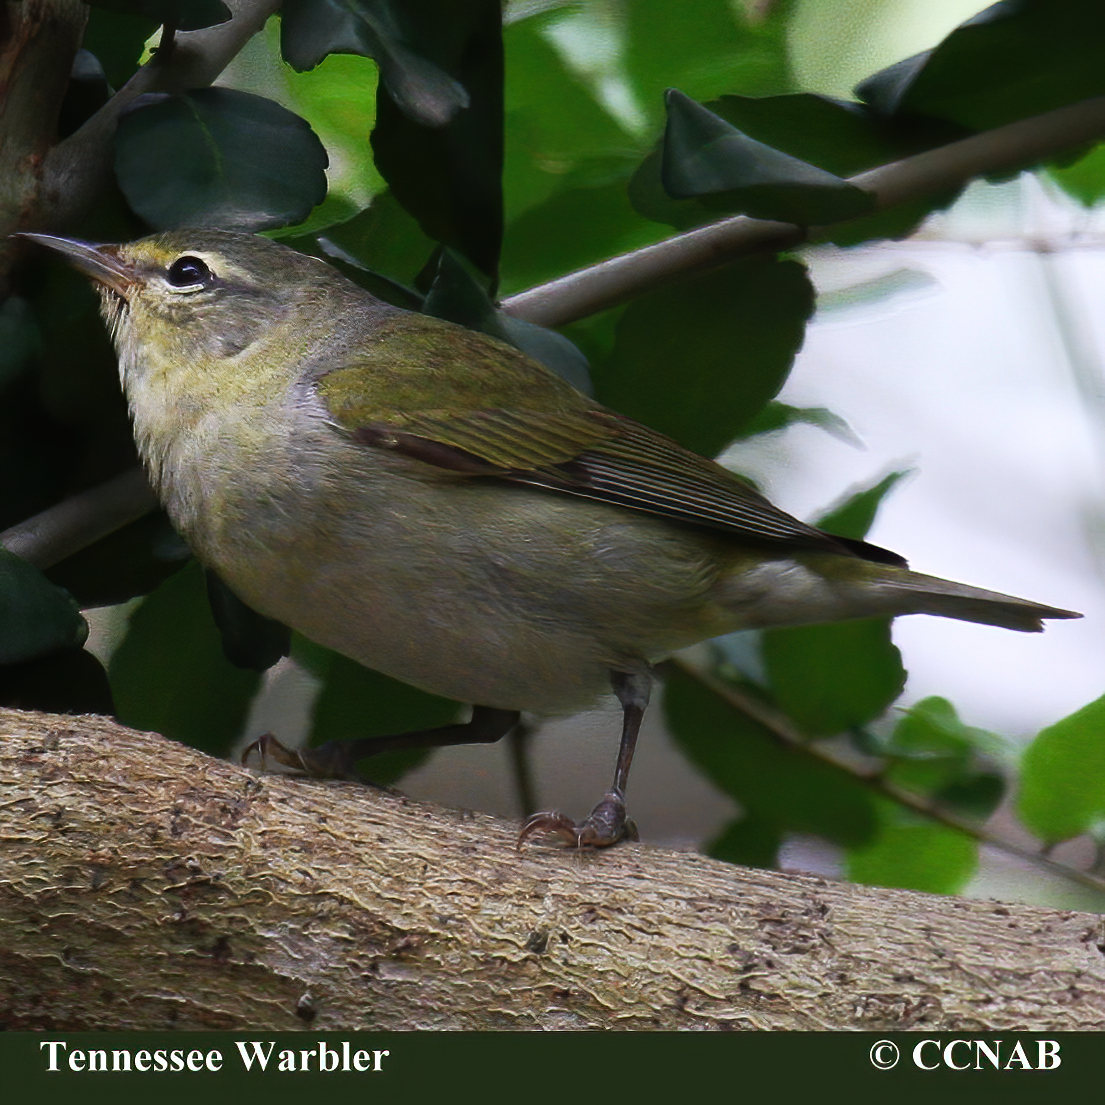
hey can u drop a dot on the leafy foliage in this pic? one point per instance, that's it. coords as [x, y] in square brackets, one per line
[500, 158]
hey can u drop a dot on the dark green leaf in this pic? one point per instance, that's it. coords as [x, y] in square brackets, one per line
[357, 702]
[1017, 58]
[457, 294]
[698, 361]
[575, 227]
[217, 157]
[130, 562]
[250, 640]
[117, 39]
[780, 786]
[976, 796]
[20, 340]
[169, 673]
[85, 94]
[448, 173]
[383, 239]
[914, 855]
[1063, 776]
[69, 682]
[856, 514]
[389, 32]
[706, 157]
[830, 678]
[36, 618]
[184, 15]
[749, 840]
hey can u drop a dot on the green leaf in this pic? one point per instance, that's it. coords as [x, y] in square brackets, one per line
[130, 562]
[69, 682]
[705, 157]
[778, 416]
[705, 47]
[218, 157]
[699, 360]
[1063, 776]
[36, 618]
[184, 15]
[458, 295]
[1015, 59]
[117, 39]
[169, 673]
[779, 786]
[387, 31]
[357, 702]
[856, 514]
[1084, 180]
[448, 173]
[578, 225]
[831, 678]
[914, 855]
[20, 340]
[748, 840]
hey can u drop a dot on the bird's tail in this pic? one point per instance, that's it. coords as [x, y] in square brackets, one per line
[972, 604]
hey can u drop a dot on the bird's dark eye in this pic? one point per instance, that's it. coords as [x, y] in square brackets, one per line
[185, 271]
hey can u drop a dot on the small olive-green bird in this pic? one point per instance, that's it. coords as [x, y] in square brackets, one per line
[435, 505]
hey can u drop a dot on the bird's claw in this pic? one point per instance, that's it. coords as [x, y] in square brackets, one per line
[606, 824]
[267, 747]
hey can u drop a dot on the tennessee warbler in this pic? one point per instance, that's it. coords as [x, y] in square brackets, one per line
[435, 505]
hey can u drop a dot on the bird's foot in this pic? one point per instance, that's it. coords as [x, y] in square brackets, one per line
[606, 824]
[328, 761]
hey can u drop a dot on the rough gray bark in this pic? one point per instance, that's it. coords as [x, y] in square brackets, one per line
[145, 885]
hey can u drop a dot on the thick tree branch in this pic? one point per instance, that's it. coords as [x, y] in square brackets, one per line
[144, 885]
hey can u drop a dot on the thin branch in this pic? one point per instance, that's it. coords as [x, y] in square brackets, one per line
[73, 524]
[620, 279]
[783, 730]
[76, 170]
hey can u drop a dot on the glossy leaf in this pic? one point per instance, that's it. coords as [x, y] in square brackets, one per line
[218, 157]
[132, 561]
[779, 786]
[1063, 776]
[72, 681]
[1017, 58]
[184, 15]
[36, 617]
[447, 172]
[357, 702]
[831, 678]
[169, 673]
[705, 157]
[387, 31]
[699, 360]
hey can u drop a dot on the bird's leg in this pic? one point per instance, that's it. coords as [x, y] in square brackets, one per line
[336, 759]
[607, 823]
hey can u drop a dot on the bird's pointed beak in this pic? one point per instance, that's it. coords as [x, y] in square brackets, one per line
[101, 262]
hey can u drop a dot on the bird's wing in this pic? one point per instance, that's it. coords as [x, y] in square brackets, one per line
[518, 423]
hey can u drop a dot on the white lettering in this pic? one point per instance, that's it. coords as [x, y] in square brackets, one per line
[261, 1058]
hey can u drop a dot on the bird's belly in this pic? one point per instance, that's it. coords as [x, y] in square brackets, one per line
[502, 596]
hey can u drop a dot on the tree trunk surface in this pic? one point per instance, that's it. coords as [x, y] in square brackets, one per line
[144, 885]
